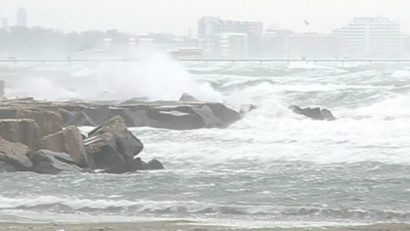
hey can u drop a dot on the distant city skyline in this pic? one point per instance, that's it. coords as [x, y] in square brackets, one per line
[180, 16]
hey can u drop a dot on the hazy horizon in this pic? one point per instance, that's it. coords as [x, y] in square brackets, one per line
[180, 16]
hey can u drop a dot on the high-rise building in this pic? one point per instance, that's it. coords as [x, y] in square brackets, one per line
[21, 17]
[284, 43]
[219, 37]
[315, 45]
[5, 24]
[372, 36]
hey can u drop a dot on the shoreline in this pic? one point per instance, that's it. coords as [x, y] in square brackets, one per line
[186, 225]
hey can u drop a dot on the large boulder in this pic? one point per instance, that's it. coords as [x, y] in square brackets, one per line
[186, 116]
[135, 165]
[4, 167]
[77, 118]
[48, 121]
[14, 155]
[129, 166]
[25, 131]
[181, 115]
[154, 164]
[85, 115]
[227, 115]
[315, 113]
[48, 162]
[69, 141]
[112, 144]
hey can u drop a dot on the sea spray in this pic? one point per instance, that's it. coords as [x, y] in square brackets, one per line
[155, 76]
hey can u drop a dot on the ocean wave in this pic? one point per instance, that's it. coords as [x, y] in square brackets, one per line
[177, 208]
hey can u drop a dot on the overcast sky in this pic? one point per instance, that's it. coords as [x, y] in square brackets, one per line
[179, 16]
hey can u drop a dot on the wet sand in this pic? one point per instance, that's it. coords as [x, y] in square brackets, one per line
[184, 226]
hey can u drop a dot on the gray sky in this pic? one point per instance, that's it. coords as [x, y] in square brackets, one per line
[178, 16]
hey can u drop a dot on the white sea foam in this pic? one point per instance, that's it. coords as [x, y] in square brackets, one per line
[262, 165]
[155, 76]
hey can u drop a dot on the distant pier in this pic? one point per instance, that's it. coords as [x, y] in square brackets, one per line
[206, 60]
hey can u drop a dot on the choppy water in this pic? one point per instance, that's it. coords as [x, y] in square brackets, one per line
[271, 167]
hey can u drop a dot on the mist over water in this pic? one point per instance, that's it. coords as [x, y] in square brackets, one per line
[155, 76]
[272, 167]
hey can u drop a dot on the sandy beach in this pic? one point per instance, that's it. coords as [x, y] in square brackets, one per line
[184, 226]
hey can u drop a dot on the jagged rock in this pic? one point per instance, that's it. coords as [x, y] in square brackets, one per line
[315, 113]
[135, 165]
[187, 97]
[153, 165]
[208, 117]
[48, 121]
[78, 118]
[69, 141]
[15, 155]
[99, 114]
[190, 116]
[227, 115]
[83, 115]
[112, 144]
[25, 131]
[178, 115]
[48, 162]
[130, 118]
[174, 117]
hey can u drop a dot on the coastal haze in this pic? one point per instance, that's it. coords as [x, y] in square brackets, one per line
[272, 169]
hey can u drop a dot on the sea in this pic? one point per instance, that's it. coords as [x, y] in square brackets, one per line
[271, 168]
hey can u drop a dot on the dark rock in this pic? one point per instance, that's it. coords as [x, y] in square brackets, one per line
[112, 144]
[48, 162]
[327, 114]
[190, 116]
[15, 154]
[227, 115]
[129, 166]
[99, 114]
[4, 167]
[180, 115]
[209, 119]
[315, 113]
[187, 97]
[174, 117]
[78, 118]
[153, 165]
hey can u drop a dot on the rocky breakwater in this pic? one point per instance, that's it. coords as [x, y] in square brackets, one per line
[29, 145]
[180, 115]
[43, 136]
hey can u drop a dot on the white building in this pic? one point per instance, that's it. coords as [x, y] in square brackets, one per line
[372, 36]
[219, 37]
[233, 44]
[5, 24]
[21, 17]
